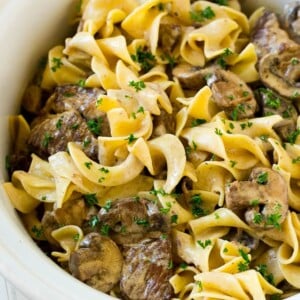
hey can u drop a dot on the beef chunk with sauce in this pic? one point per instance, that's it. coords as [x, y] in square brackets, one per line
[53, 132]
[130, 219]
[147, 270]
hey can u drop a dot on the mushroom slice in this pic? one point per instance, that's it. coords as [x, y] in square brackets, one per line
[262, 200]
[97, 262]
[281, 72]
[291, 20]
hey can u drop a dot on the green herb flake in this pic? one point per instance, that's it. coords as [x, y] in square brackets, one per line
[254, 202]
[294, 61]
[183, 266]
[296, 160]
[204, 244]
[131, 138]
[88, 164]
[197, 122]
[142, 222]
[165, 210]
[76, 237]
[94, 221]
[56, 64]
[170, 265]
[257, 218]
[47, 139]
[137, 85]
[37, 231]
[262, 178]
[221, 2]
[59, 123]
[90, 199]
[292, 137]
[218, 131]
[145, 58]
[174, 219]
[105, 229]
[262, 269]
[107, 205]
[202, 15]
[104, 170]
[95, 125]
[81, 83]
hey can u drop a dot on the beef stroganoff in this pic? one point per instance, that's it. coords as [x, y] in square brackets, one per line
[157, 154]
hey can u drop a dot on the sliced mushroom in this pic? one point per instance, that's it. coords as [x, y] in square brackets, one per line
[262, 200]
[130, 219]
[281, 72]
[73, 212]
[291, 20]
[97, 262]
[190, 77]
[271, 104]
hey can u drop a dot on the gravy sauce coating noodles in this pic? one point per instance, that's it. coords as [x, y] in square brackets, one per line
[157, 155]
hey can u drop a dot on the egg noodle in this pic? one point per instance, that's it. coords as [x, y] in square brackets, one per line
[103, 53]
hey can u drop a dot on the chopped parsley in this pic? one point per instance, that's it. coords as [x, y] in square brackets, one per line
[196, 202]
[221, 2]
[292, 137]
[107, 205]
[59, 123]
[156, 192]
[296, 160]
[254, 202]
[131, 138]
[88, 164]
[56, 64]
[262, 269]
[81, 83]
[236, 111]
[105, 229]
[243, 265]
[262, 178]
[170, 264]
[221, 61]
[95, 125]
[104, 170]
[47, 139]
[94, 221]
[204, 244]
[218, 131]
[294, 61]
[174, 219]
[76, 237]
[270, 99]
[90, 199]
[145, 58]
[137, 85]
[202, 15]
[183, 266]
[197, 122]
[165, 210]
[142, 222]
[232, 163]
[38, 232]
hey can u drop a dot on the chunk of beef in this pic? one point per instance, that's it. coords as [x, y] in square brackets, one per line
[53, 132]
[232, 95]
[262, 200]
[98, 262]
[130, 219]
[84, 100]
[164, 123]
[268, 37]
[73, 212]
[146, 270]
[271, 104]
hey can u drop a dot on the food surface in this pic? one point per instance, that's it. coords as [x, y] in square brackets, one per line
[157, 153]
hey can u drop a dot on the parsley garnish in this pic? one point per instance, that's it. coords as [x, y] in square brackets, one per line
[221, 2]
[76, 237]
[166, 209]
[131, 138]
[104, 230]
[160, 191]
[292, 137]
[47, 139]
[81, 83]
[174, 219]
[196, 202]
[95, 125]
[201, 16]
[56, 64]
[221, 61]
[294, 61]
[107, 205]
[218, 131]
[262, 269]
[271, 100]
[204, 244]
[59, 123]
[94, 221]
[197, 122]
[142, 222]
[38, 232]
[137, 85]
[262, 178]
[145, 58]
[90, 199]
[296, 160]
[88, 164]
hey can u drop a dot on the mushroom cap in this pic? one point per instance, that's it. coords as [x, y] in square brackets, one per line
[281, 72]
[98, 262]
